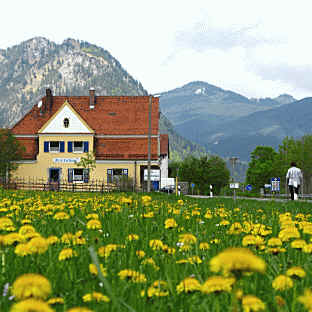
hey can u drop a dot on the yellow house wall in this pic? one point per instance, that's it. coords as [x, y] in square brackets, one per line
[40, 169]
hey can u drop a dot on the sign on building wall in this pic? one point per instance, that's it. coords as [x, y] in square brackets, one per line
[155, 174]
[66, 160]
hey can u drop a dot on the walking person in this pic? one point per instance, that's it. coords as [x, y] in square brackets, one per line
[294, 178]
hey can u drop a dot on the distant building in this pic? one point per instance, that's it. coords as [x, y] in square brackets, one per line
[61, 129]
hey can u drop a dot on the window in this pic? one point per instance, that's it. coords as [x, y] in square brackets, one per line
[54, 146]
[78, 175]
[114, 175]
[78, 146]
[66, 123]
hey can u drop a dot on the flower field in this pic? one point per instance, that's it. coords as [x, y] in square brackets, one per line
[136, 252]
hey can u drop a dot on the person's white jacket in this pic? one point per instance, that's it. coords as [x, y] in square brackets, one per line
[294, 176]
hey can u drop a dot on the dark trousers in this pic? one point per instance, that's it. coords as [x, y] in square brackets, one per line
[293, 190]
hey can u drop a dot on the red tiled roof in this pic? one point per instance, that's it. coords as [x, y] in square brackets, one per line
[111, 115]
[125, 148]
[31, 147]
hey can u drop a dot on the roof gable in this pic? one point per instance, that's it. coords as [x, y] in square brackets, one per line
[56, 123]
[112, 115]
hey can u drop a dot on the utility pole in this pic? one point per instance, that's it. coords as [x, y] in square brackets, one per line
[149, 144]
[233, 161]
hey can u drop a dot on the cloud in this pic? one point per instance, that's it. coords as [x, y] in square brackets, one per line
[201, 37]
[298, 76]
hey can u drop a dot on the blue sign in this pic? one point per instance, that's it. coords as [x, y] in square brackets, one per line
[275, 184]
[248, 187]
[192, 185]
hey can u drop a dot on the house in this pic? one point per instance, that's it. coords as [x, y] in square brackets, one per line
[61, 130]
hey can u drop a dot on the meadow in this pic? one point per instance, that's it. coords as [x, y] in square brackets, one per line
[83, 252]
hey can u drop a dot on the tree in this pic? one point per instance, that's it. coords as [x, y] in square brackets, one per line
[300, 151]
[263, 166]
[205, 171]
[87, 162]
[11, 151]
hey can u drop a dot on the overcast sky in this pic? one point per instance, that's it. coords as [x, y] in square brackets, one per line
[256, 48]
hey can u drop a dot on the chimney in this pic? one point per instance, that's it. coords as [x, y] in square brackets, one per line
[49, 99]
[92, 98]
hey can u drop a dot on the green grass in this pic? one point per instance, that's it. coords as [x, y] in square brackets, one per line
[71, 279]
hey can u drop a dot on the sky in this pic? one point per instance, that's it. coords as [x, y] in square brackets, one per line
[255, 48]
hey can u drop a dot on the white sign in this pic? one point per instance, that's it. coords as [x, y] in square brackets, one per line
[66, 160]
[169, 182]
[234, 185]
[155, 174]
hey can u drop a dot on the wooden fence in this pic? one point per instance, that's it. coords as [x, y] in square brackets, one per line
[62, 186]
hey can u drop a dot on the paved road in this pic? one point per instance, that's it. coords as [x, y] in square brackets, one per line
[253, 198]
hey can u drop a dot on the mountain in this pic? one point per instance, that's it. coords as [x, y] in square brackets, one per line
[199, 107]
[69, 68]
[268, 127]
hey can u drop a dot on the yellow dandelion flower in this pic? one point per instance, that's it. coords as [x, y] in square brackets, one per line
[31, 286]
[56, 300]
[237, 259]
[12, 238]
[79, 309]
[105, 251]
[298, 244]
[61, 216]
[151, 262]
[168, 250]
[132, 276]
[217, 284]
[92, 216]
[52, 240]
[22, 250]
[189, 284]
[235, 229]
[6, 223]
[132, 237]
[306, 299]
[158, 289]
[156, 244]
[187, 238]
[224, 222]
[275, 242]
[288, 233]
[296, 272]
[204, 246]
[140, 253]
[95, 296]
[282, 282]
[94, 224]
[252, 240]
[66, 253]
[93, 269]
[38, 245]
[31, 305]
[252, 303]
[307, 248]
[26, 229]
[170, 223]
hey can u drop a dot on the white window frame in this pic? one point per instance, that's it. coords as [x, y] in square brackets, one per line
[78, 150]
[53, 149]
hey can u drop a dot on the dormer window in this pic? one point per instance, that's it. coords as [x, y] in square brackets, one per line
[66, 122]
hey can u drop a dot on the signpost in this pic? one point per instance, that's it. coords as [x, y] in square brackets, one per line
[234, 186]
[248, 187]
[275, 184]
